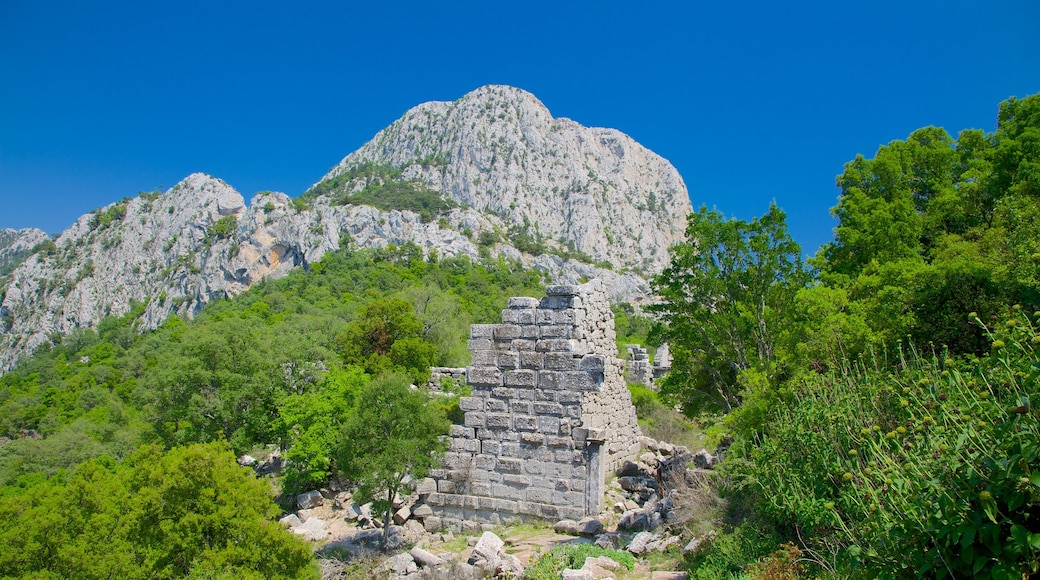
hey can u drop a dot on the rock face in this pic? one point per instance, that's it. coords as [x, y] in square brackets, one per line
[16, 245]
[496, 150]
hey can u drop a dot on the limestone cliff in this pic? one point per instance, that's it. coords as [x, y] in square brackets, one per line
[496, 151]
[499, 150]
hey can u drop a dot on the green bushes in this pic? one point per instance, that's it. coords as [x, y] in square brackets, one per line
[931, 469]
[549, 565]
[223, 228]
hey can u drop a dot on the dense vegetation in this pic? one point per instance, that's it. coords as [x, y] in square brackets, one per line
[286, 364]
[381, 187]
[883, 396]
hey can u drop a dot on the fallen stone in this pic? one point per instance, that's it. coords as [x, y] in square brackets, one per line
[422, 511]
[311, 499]
[589, 526]
[569, 527]
[662, 575]
[424, 558]
[704, 460]
[577, 575]
[400, 565]
[487, 547]
[432, 524]
[401, 516]
[638, 544]
[607, 541]
[509, 566]
[290, 521]
[247, 461]
[601, 562]
[313, 529]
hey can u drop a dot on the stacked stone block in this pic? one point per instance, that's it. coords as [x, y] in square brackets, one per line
[532, 445]
[638, 370]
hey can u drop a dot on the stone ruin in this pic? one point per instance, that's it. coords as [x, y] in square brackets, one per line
[641, 371]
[548, 416]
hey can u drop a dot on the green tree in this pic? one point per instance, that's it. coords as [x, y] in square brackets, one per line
[394, 434]
[188, 512]
[726, 298]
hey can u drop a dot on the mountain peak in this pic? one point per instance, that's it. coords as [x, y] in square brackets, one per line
[498, 149]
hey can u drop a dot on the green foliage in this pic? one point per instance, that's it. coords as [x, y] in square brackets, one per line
[115, 213]
[222, 229]
[189, 512]
[730, 554]
[937, 473]
[726, 298]
[549, 565]
[933, 227]
[381, 187]
[394, 434]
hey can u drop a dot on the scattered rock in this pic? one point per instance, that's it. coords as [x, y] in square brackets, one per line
[291, 521]
[589, 527]
[311, 499]
[638, 544]
[313, 529]
[569, 527]
[577, 575]
[400, 565]
[424, 558]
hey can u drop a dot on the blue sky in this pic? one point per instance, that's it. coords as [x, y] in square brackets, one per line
[751, 101]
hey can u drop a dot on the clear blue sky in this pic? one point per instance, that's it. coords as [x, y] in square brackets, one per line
[751, 101]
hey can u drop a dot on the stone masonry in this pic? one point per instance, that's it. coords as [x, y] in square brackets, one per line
[549, 413]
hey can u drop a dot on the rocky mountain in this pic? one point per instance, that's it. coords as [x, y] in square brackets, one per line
[499, 150]
[571, 198]
[15, 247]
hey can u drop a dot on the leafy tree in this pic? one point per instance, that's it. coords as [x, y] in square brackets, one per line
[189, 512]
[726, 297]
[394, 434]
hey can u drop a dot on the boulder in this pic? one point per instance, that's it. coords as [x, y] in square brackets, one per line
[424, 558]
[400, 565]
[311, 499]
[290, 521]
[402, 515]
[313, 529]
[638, 544]
[569, 527]
[589, 526]
[432, 524]
[577, 575]
[602, 562]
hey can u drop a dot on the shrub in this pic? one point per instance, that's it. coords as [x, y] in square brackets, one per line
[934, 469]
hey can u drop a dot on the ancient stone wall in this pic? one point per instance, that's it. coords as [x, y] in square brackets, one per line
[549, 413]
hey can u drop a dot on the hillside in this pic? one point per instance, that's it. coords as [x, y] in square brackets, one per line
[620, 207]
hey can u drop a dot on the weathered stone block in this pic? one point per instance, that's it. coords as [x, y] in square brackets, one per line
[556, 331]
[484, 462]
[480, 344]
[469, 404]
[559, 361]
[532, 438]
[530, 360]
[475, 419]
[484, 376]
[496, 406]
[581, 381]
[446, 487]
[491, 447]
[537, 495]
[525, 423]
[564, 317]
[563, 290]
[525, 317]
[509, 465]
[593, 363]
[498, 421]
[459, 444]
[508, 360]
[484, 358]
[549, 425]
[481, 331]
[507, 492]
[503, 393]
[518, 302]
[544, 316]
[530, 331]
[547, 408]
[522, 344]
[523, 378]
[510, 317]
[521, 407]
[460, 431]
[506, 331]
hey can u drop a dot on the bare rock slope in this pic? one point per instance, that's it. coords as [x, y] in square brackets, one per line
[591, 190]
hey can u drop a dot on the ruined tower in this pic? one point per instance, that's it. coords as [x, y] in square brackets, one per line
[548, 416]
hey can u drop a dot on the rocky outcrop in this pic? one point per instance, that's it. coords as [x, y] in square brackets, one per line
[498, 149]
[16, 245]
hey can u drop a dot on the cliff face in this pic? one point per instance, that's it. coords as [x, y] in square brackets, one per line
[497, 151]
